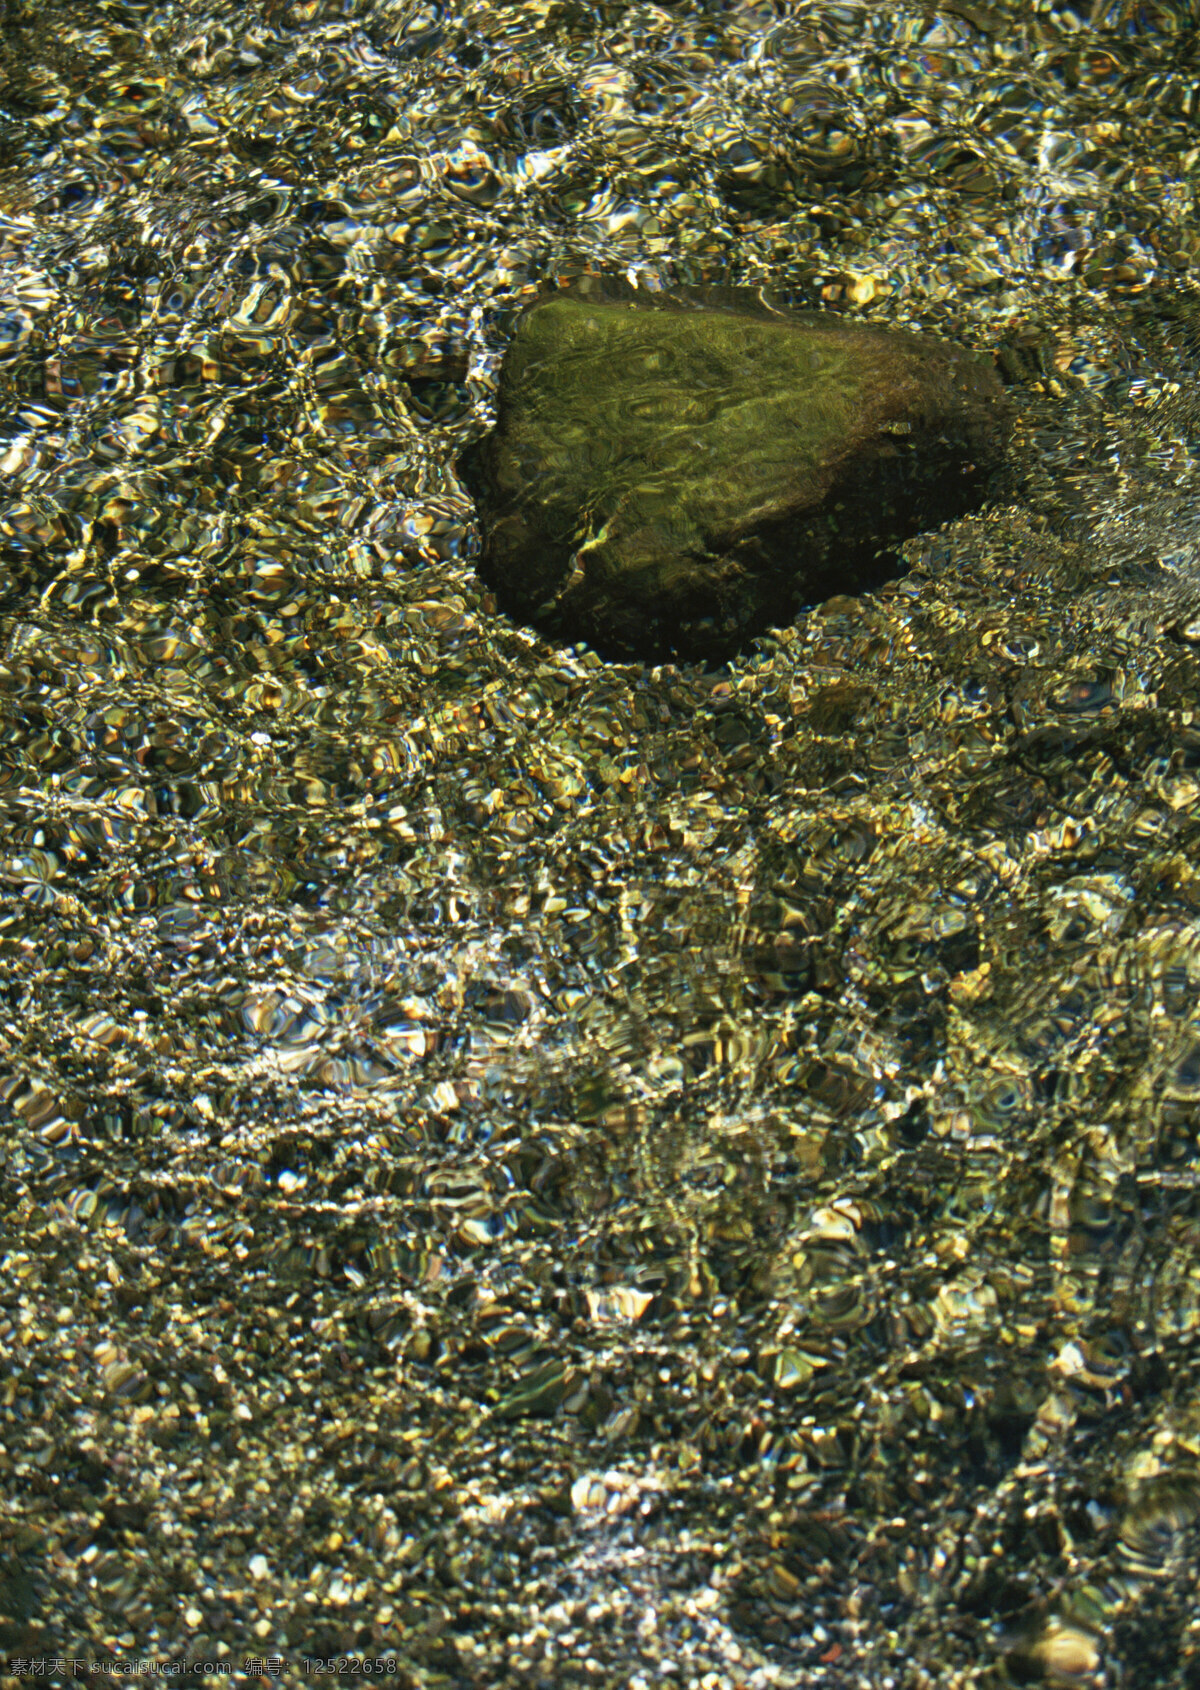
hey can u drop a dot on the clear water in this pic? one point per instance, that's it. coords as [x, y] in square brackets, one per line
[532, 1169]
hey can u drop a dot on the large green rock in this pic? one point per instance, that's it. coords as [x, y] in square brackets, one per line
[674, 472]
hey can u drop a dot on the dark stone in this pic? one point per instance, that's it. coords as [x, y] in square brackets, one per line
[675, 472]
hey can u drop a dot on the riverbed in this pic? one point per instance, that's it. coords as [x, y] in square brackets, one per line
[527, 1170]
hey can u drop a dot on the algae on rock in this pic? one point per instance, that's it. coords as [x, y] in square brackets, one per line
[673, 472]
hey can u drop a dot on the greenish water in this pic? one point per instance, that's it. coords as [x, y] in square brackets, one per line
[542, 1171]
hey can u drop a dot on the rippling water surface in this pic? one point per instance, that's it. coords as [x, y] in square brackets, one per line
[536, 1171]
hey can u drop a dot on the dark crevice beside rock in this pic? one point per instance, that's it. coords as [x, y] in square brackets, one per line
[672, 473]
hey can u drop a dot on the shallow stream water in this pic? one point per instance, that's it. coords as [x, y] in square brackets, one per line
[536, 1171]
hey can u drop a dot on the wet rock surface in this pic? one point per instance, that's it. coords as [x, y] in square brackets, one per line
[673, 472]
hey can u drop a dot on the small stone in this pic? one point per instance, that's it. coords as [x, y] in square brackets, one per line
[259, 1567]
[674, 472]
[1067, 1653]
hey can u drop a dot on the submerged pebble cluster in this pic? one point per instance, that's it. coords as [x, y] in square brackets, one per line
[535, 1171]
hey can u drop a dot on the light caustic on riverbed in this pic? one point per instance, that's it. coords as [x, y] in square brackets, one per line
[516, 1142]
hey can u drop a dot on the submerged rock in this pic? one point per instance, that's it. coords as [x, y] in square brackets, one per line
[674, 472]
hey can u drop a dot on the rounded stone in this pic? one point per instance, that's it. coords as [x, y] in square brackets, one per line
[674, 472]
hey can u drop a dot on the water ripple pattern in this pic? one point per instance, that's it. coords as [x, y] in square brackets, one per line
[532, 1171]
